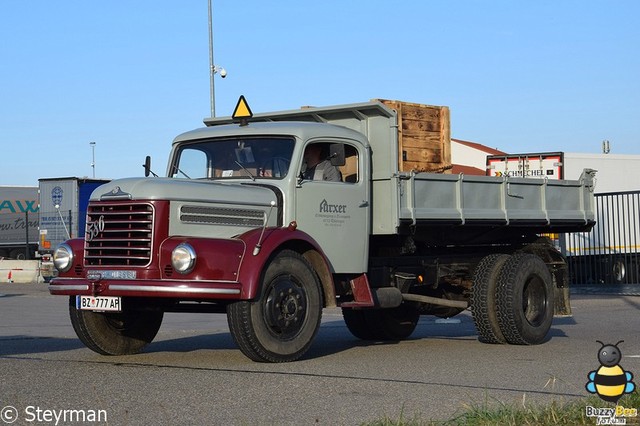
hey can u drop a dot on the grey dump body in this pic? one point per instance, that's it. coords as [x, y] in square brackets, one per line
[469, 200]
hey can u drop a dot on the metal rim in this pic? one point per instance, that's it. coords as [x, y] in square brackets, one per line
[534, 301]
[285, 307]
[619, 270]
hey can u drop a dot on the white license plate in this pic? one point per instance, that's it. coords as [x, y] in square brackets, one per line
[113, 275]
[99, 303]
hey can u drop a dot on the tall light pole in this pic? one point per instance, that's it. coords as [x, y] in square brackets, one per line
[213, 69]
[93, 158]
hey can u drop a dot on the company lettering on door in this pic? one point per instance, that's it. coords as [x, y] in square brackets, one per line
[332, 215]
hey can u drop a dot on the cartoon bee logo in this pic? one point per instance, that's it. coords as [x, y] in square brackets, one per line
[610, 381]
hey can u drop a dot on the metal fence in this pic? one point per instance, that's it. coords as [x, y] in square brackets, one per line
[609, 253]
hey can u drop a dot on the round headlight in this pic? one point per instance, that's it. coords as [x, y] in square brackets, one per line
[183, 258]
[63, 258]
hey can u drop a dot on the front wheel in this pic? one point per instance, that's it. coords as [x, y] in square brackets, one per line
[115, 333]
[525, 300]
[280, 325]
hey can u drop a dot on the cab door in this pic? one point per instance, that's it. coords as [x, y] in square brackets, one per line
[337, 213]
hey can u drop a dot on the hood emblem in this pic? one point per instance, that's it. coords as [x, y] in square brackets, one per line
[116, 192]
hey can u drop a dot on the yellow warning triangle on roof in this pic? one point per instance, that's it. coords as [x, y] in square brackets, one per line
[242, 110]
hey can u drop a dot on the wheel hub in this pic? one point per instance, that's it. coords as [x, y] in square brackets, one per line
[534, 301]
[285, 307]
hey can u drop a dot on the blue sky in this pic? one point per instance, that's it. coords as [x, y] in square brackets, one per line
[520, 76]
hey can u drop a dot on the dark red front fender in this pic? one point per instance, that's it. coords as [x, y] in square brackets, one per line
[274, 240]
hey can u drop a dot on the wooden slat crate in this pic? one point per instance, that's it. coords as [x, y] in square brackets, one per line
[424, 137]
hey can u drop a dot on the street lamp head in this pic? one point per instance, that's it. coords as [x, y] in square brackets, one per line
[93, 158]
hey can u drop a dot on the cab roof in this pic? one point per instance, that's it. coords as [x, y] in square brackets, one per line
[303, 130]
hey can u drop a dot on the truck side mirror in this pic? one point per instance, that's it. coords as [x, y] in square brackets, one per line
[147, 166]
[336, 154]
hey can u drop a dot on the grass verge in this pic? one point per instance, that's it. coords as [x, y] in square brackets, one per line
[497, 413]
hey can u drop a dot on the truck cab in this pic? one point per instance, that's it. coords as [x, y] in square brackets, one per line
[334, 213]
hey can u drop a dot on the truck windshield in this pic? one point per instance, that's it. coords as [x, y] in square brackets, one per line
[260, 157]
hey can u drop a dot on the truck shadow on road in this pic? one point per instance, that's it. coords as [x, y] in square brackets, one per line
[25, 345]
[220, 341]
[333, 338]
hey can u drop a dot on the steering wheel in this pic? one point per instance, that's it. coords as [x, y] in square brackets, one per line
[275, 167]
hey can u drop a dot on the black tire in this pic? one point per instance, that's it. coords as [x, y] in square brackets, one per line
[18, 254]
[280, 325]
[619, 271]
[525, 300]
[357, 324]
[382, 324]
[483, 298]
[115, 333]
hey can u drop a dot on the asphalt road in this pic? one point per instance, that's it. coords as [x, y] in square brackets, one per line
[193, 374]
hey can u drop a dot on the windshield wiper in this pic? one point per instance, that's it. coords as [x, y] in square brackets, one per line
[177, 169]
[246, 170]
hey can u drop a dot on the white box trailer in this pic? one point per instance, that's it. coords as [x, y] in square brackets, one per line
[611, 252]
[616, 172]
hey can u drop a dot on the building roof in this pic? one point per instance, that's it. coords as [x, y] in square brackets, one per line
[467, 170]
[480, 147]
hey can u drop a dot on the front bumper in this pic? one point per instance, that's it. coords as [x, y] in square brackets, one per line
[211, 290]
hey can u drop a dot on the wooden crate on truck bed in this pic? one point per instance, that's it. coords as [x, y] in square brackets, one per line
[424, 136]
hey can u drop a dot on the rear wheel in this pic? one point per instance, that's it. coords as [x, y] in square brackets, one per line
[483, 298]
[18, 254]
[382, 324]
[525, 300]
[619, 271]
[115, 333]
[280, 325]
[356, 321]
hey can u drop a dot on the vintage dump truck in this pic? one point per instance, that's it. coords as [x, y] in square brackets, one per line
[238, 226]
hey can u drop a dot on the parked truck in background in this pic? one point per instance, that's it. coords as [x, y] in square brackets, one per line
[63, 209]
[610, 253]
[236, 227]
[18, 221]
[616, 172]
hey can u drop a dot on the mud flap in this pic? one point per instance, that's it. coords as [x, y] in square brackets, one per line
[562, 303]
[362, 296]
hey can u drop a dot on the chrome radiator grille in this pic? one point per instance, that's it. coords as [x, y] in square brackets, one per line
[118, 235]
[221, 216]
